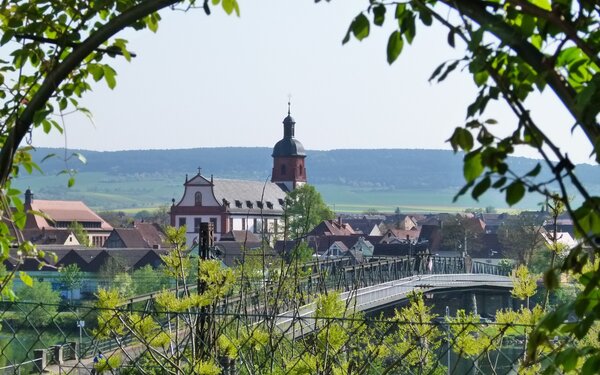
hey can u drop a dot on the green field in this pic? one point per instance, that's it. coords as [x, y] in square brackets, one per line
[135, 192]
[349, 199]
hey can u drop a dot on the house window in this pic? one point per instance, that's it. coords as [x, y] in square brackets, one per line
[283, 169]
[198, 199]
[243, 223]
[182, 222]
[230, 223]
[255, 229]
[197, 222]
[275, 226]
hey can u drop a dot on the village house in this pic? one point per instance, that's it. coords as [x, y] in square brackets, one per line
[142, 235]
[48, 222]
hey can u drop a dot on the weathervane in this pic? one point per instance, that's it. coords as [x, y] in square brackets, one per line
[289, 103]
[199, 171]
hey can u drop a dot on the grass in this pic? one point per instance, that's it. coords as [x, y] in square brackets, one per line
[136, 192]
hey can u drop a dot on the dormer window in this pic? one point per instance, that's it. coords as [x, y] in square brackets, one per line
[238, 204]
[269, 205]
[281, 202]
[198, 198]
[249, 204]
[259, 204]
[225, 202]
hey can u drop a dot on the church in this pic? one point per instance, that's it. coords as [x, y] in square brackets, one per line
[241, 205]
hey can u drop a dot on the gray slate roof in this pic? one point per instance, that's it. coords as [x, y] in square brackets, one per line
[249, 191]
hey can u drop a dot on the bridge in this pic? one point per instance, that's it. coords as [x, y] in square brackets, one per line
[391, 292]
[367, 286]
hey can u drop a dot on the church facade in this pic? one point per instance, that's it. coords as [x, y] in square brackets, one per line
[234, 205]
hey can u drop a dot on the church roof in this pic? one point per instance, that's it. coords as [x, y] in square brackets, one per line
[288, 147]
[249, 196]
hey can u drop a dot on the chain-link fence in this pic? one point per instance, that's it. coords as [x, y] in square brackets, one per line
[197, 339]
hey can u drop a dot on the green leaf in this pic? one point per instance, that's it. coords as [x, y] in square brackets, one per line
[71, 182]
[379, 14]
[228, 6]
[26, 279]
[481, 188]
[437, 71]
[591, 365]
[8, 34]
[568, 359]
[515, 192]
[535, 171]
[499, 183]
[551, 279]
[394, 47]
[360, 27]
[109, 76]
[451, 38]
[462, 191]
[461, 138]
[472, 166]
[80, 156]
[48, 157]
[448, 70]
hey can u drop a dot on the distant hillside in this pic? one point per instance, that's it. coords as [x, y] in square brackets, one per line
[381, 179]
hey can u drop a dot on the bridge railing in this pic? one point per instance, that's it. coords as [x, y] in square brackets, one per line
[488, 268]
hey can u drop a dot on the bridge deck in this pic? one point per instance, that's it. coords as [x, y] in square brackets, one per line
[368, 298]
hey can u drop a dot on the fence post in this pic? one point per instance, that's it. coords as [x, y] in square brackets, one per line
[74, 345]
[40, 359]
[57, 354]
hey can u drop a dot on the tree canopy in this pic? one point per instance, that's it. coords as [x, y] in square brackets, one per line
[513, 48]
[305, 209]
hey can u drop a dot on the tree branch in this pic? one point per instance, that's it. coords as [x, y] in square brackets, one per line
[531, 56]
[61, 72]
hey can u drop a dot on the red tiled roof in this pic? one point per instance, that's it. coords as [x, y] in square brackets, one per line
[69, 211]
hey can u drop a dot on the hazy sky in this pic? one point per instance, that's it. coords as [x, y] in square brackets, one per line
[211, 81]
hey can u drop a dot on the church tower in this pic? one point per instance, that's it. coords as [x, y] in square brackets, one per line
[289, 170]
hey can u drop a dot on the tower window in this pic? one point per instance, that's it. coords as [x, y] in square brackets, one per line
[283, 169]
[198, 198]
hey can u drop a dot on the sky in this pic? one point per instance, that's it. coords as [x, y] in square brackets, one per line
[217, 81]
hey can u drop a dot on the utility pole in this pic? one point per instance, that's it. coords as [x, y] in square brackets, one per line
[203, 334]
[448, 337]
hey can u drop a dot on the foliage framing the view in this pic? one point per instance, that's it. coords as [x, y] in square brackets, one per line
[512, 49]
[57, 49]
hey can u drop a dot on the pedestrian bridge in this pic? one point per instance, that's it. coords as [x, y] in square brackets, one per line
[376, 296]
[389, 293]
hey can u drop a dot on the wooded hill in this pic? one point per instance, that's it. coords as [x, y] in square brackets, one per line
[353, 179]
